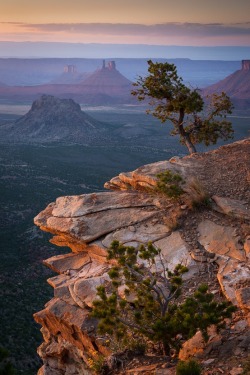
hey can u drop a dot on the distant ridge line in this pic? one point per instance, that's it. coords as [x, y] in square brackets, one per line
[98, 50]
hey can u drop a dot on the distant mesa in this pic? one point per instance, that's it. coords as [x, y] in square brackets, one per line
[107, 80]
[105, 86]
[70, 75]
[51, 119]
[237, 86]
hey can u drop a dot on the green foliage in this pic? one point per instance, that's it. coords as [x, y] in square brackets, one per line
[143, 302]
[169, 183]
[188, 368]
[171, 100]
[6, 367]
[96, 363]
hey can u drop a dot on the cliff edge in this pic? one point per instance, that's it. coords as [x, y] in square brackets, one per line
[213, 241]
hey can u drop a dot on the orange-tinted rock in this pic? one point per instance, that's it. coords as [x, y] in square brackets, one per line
[72, 322]
[90, 222]
[233, 277]
[62, 263]
[220, 240]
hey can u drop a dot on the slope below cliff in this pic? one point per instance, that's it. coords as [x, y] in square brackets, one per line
[213, 241]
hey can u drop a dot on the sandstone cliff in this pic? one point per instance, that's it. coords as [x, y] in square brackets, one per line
[214, 242]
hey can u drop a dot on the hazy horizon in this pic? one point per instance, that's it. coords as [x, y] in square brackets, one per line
[101, 50]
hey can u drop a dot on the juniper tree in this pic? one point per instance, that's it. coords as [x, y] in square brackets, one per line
[172, 100]
[149, 307]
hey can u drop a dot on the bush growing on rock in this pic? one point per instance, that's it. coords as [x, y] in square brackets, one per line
[143, 301]
[169, 183]
[188, 368]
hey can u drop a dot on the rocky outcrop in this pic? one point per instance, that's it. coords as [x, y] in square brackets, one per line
[51, 119]
[213, 243]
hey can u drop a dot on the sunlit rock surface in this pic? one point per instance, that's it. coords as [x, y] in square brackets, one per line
[204, 239]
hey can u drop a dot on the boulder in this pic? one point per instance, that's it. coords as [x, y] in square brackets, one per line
[192, 347]
[84, 228]
[243, 297]
[233, 277]
[220, 240]
[174, 250]
[85, 289]
[232, 207]
[247, 247]
[67, 262]
[141, 233]
[80, 205]
[145, 176]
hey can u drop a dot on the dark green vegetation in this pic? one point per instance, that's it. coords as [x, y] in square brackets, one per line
[150, 307]
[169, 183]
[172, 100]
[188, 368]
[6, 367]
[30, 178]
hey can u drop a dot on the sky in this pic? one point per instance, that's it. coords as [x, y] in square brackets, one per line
[155, 22]
[194, 23]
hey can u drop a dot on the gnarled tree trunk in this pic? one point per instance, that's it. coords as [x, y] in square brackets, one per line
[184, 135]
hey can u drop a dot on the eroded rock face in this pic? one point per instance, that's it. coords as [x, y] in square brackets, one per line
[89, 223]
[145, 176]
[175, 251]
[234, 278]
[220, 240]
[79, 220]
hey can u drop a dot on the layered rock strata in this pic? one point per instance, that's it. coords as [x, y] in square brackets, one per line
[134, 214]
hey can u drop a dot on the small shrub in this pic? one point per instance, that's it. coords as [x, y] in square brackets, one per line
[96, 363]
[188, 368]
[169, 183]
[197, 193]
[246, 367]
[150, 308]
[128, 342]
